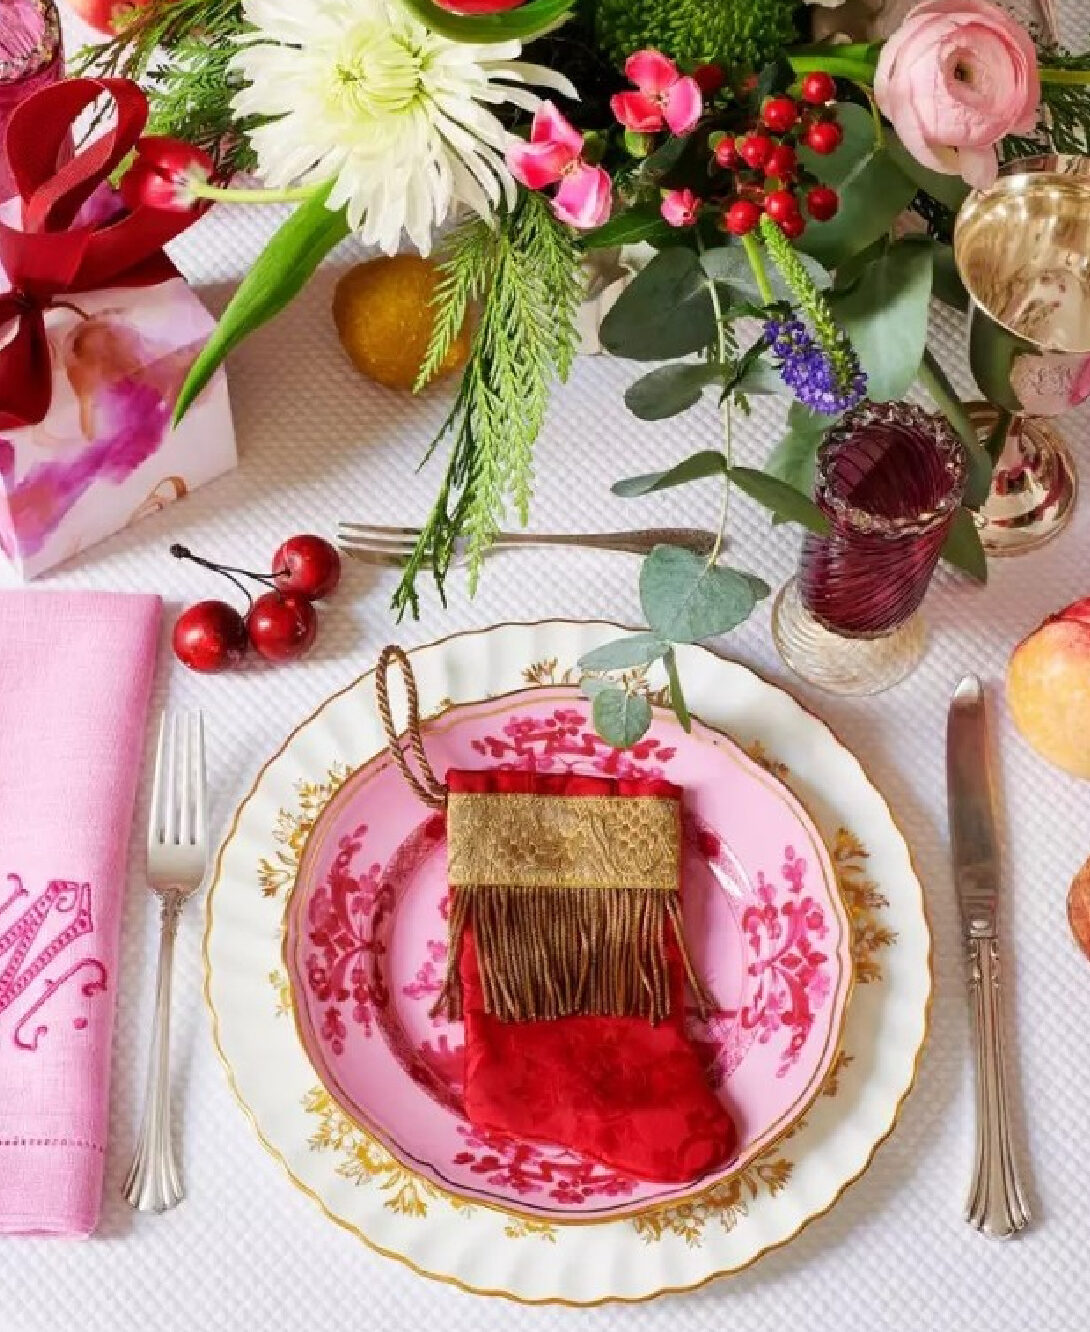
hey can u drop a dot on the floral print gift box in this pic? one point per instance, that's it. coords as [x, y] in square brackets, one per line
[105, 453]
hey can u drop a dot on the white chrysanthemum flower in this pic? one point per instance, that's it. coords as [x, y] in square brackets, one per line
[397, 116]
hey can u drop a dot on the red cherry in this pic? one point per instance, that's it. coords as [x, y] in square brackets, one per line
[822, 203]
[209, 637]
[780, 114]
[308, 565]
[741, 217]
[780, 205]
[818, 88]
[792, 226]
[782, 162]
[726, 153]
[709, 78]
[754, 150]
[824, 136]
[282, 625]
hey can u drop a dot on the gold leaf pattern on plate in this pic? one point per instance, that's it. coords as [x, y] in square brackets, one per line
[293, 828]
[863, 901]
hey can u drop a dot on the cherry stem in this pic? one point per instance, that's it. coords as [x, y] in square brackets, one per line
[181, 552]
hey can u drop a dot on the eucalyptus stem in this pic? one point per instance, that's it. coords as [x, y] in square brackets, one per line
[757, 263]
[724, 412]
[876, 116]
[227, 194]
[1074, 77]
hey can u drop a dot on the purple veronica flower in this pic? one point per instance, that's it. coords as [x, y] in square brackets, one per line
[828, 383]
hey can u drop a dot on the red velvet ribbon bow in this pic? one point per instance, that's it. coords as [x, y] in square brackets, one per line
[50, 257]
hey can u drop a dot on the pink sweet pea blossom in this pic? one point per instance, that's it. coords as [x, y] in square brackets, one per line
[554, 155]
[679, 207]
[664, 96]
[954, 79]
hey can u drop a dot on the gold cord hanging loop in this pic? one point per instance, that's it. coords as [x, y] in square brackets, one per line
[426, 785]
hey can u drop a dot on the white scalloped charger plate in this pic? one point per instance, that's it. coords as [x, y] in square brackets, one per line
[481, 1247]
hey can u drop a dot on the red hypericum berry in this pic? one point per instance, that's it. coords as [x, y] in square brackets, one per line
[754, 150]
[741, 217]
[281, 625]
[709, 78]
[308, 565]
[780, 114]
[822, 203]
[824, 136]
[210, 637]
[818, 88]
[782, 162]
[792, 226]
[780, 205]
[726, 153]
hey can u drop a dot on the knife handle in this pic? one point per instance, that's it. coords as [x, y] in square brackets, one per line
[996, 1203]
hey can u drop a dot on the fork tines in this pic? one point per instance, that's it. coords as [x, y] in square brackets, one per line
[178, 797]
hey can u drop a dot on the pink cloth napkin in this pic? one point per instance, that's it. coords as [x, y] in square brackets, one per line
[75, 676]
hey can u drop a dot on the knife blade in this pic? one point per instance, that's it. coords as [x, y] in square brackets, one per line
[970, 791]
[996, 1204]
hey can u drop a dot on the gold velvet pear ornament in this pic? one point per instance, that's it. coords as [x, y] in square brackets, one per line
[384, 316]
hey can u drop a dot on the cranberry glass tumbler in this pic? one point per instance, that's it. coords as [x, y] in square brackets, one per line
[890, 478]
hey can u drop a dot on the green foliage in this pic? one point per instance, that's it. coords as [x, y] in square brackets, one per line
[794, 459]
[1064, 124]
[525, 274]
[665, 311]
[622, 654]
[686, 598]
[670, 389]
[279, 274]
[787, 503]
[730, 266]
[621, 716]
[732, 32]
[962, 547]
[179, 50]
[528, 21]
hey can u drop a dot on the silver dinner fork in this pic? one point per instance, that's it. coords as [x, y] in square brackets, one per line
[392, 545]
[177, 859]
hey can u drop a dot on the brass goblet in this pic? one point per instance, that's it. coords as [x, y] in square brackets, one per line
[1022, 247]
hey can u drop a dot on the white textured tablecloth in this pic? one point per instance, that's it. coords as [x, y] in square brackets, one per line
[247, 1250]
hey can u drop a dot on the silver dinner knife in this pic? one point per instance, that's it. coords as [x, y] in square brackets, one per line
[996, 1203]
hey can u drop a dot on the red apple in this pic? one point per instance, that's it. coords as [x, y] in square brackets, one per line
[1048, 688]
[106, 16]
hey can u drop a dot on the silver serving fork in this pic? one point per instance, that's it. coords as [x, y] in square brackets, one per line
[177, 859]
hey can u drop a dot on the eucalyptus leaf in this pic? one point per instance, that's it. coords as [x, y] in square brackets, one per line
[933, 378]
[669, 390]
[885, 316]
[794, 459]
[623, 653]
[962, 547]
[786, 502]
[621, 718]
[946, 283]
[871, 197]
[685, 599]
[522, 24]
[857, 143]
[993, 351]
[643, 223]
[276, 277]
[950, 190]
[677, 694]
[758, 378]
[593, 685]
[728, 265]
[665, 311]
[696, 467]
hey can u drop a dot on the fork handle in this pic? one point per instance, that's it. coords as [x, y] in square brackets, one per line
[996, 1203]
[154, 1183]
[640, 542]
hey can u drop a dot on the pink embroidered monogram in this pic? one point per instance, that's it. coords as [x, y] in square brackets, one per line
[75, 676]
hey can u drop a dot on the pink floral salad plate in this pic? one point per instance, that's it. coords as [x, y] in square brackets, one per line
[326, 939]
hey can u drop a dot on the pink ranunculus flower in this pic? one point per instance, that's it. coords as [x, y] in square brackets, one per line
[664, 96]
[955, 78]
[554, 155]
[679, 207]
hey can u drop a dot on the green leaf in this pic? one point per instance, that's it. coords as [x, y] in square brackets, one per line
[949, 190]
[621, 718]
[885, 315]
[624, 653]
[642, 223]
[756, 379]
[677, 694]
[946, 284]
[694, 468]
[685, 599]
[786, 502]
[858, 142]
[669, 390]
[993, 351]
[277, 276]
[664, 312]
[525, 23]
[593, 685]
[794, 459]
[727, 264]
[962, 547]
[933, 378]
